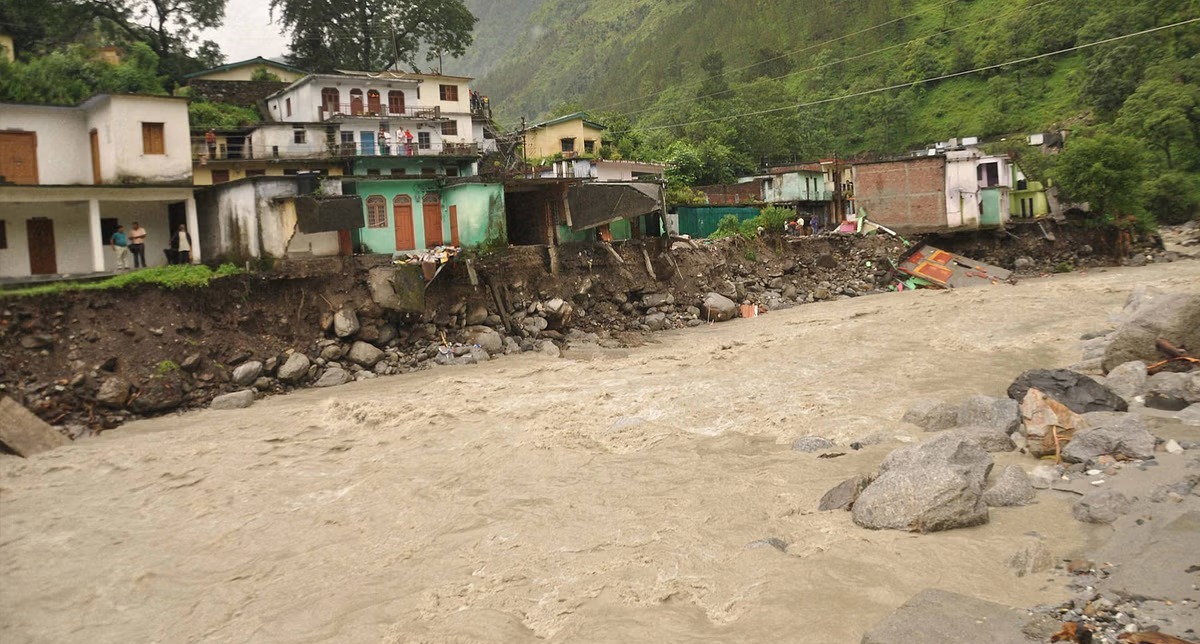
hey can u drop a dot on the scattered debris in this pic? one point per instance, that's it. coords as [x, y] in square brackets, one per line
[937, 268]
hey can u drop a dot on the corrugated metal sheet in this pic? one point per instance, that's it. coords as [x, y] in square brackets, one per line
[702, 221]
[596, 204]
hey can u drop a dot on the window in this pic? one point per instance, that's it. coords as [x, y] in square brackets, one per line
[423, 141]
[347, 137]
[3, 234]
[988, 174]
[330, 99]
[298, 136]
[450, 128]
[399, 172]
[372, 172]
[376, 212]
[395, 102]
[356, 102]
[220, 176]
[589, 146]
[152, 139]
[428, 172]
[256, 173]
[449, 92]
[451, 171]
[568, 145]
[287, 106]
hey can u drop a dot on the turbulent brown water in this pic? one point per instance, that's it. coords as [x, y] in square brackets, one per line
[533, 499]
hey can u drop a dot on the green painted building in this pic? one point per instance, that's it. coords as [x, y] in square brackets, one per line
[1028, 200]
[408, 215]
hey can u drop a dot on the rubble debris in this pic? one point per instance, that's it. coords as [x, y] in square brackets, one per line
[942, 269]
[1047, 424]
[23, 433]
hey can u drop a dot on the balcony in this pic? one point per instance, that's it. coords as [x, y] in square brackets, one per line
[360, 110]
[232, 152]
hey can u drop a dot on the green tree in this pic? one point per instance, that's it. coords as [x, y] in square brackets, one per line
[68, 77]
[170, 27]
[373, 34]
[261, 74]
[1112, 75]
[1160, 113]
[713, 65]
[1174, 197]
[1105, 171]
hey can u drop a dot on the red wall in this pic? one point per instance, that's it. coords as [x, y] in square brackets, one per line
[907, 195]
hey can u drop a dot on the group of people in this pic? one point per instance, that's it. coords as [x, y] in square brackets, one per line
[134, 243]
[385, 141]
[796, 226]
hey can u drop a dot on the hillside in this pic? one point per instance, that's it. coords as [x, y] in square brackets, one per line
[655, 63]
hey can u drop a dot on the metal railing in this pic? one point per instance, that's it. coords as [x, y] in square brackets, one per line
[201, 151]
[382, 111]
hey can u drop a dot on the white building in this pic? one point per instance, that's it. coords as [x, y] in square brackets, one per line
[977, 188]
[604, 170]
[70, 175]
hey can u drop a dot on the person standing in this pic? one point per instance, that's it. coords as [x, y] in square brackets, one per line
[181, 243]
[385, 142]
[210, 141]
[137, 245]
[120, 245]
[408, 148]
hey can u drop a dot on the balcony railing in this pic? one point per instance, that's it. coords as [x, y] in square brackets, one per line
[254, 151]
[365, 110]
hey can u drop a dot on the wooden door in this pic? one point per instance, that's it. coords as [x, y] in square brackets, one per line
[40, 233]
[95, 138]
[18, 158]
[373, 102]
[345, 243]
[402, 219]
[356, 102]
[454, 226]
[431, 213]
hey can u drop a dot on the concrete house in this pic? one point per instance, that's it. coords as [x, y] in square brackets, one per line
[604, 170]
[70, 175]
[408, 215]
[573, 135]
[244, 70]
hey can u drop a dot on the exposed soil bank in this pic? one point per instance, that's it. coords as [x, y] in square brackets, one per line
[537, 499]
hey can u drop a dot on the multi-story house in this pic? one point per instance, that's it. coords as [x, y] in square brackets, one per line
[70, 175]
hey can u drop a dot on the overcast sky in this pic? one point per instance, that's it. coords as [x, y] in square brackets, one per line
[248, 32]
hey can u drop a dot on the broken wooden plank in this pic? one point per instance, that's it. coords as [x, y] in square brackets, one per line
[23, 432]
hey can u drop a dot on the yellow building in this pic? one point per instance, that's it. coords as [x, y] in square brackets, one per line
[571, 136]
[244, 70]
[6, 47]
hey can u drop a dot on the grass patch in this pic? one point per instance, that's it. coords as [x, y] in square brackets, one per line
[165, 367]
[168, 277]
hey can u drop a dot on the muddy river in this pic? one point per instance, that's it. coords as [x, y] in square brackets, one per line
[608, 498]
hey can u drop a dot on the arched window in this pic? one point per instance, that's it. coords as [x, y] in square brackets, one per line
[376, 212]
[330, 101]
[356, 103]
[373, 101]
[395, 102]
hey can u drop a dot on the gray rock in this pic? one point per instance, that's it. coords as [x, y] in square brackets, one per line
[1111, 433]
[1150, 315]
[158, 395]
[479, 354]
[1011, 488]
[535, 325]
[387, 333]
[1101, 506]
[364, 354]
[548, 348]
[263, 383]
[381, 282]
[843, 495]
[717, 308]
[956, 451]
[929, 498]
[246, 373]
[990, 439]
[942, 617]
[1044, 476]
[236, 400]
[114, 392]
[656, 321]
[487, 338]
[192, 363]
[1128, 380]
[654, 300]
[932, 415]
[1139, 259]
[476, 314]
[1023, 264]
[985, 411]
[811, 444]
[345, 323]
[1173, 391]
[295, 368]
[511, 345]
[1078, 392]
[332, 352]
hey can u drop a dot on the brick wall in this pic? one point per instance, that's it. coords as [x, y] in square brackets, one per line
[243, 93]
[733, 193]
[908, 195]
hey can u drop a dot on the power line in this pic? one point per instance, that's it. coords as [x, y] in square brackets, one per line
[790, 53]
[852, 58]
[918, 82]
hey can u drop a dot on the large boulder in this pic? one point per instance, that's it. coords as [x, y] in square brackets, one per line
[656, 321]
[932, 415]
[922, 499]
[717, 308]
[486, 338]
[114, 392]
[843, 495]
[559, 313]
[345, 323]
[364, 354]
[332, 377]
[1047, 423]
[158, 395]
[1111, 433]
[1149, 316]
[990, 439]
[812, 444]
[986, 411]
[935, 616]
[1011, 488]
[1101, 506]
[294, 368]
[1128, 380]
[246, 373]
[1173, 391]
[1078, 392]
[236, 400]
[956, 451]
